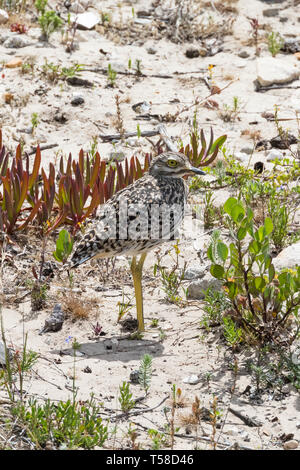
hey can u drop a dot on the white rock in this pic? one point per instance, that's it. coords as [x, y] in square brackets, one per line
[196, 288]
[271, 70]
[143, 21]
[195, 272]
[247, 150]
[87, 20]
[16, 42]
[192, 379]
[274, 154]
[289, 257]
[3, 16]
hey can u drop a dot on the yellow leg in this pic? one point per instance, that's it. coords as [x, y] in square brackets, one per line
[136, 270]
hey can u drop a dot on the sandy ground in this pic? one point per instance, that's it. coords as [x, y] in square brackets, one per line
[185, 349]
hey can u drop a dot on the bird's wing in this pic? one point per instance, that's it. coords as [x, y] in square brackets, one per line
[110, 230]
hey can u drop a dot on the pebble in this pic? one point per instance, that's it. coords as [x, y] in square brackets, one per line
[247, 150]
[274, 155]
[271, 71]
[270, 12]
[192, 52]
[195, 272]
[77, 100]
[192, 380]
[289, 445]
[77, 7]
[78, 81]
[289, 257]
[87, 20]
[13, 63]
[151, 51]
[244, 54]
[16, 42]
[196, 288]
[283, 143]
[143, 21]
[134, 377]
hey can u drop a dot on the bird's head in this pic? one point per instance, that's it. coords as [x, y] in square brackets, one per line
[173, 164]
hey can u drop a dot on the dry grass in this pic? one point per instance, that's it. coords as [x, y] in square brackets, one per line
[78, 308]
[252, 134]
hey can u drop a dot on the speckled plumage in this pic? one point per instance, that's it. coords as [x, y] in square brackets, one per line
[118, 229]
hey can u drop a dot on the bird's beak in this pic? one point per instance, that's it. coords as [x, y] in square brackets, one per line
[193, 169]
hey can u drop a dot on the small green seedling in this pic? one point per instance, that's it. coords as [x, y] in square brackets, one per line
[64, 246]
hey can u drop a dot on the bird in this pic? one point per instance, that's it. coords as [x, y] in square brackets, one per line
[138, 218]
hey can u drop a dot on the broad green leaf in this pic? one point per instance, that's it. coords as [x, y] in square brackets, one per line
[242, 231]
[222, 251]
[259, 283]
[268, 225]
[271, 272]
[229, 205]
[237, 212]
[217, 271]
[232, 289]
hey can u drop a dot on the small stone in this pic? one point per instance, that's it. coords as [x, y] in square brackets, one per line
[192, 380]
[192, 52]
[79, 354]
[151, 51]
[289, 445]
[3, 16]
[13, 63]
[142, 107]
[16, 42]
[8, 97]
[297, 55]
[87, 20]
[196, 288]
[283, 141]
[78, 81]
[270, 12]
[291, 46]
[244, 54]
[247, 150]
[195, 272]
[76, 101]
[275, 71]
[274, 155]
[134, 377]
[143, 21]
[87, 370]
[289, 257]
[76, 7]
[60, 117]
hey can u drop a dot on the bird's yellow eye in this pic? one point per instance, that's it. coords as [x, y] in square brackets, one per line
[172, 163]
